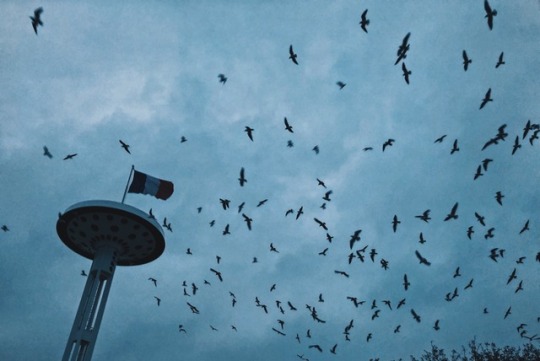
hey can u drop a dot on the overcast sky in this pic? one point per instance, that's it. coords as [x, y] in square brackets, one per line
[147, 74]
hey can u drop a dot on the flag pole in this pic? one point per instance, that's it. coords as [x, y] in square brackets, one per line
[127, 185]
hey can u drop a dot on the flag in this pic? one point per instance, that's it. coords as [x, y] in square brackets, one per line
[145, 184]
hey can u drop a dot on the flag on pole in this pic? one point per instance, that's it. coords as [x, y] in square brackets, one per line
[145, 184]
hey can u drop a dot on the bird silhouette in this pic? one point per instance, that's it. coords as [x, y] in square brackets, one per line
[326, 196]
[158, 300]
[218, 274]
[500, 61]
[422, 259]
[498, 197]
[293, 55]
[288, 127]
[470, 232]
[395, 223]
[388, 143]
[487, 98]
[481, 219]
[406, 72]
[36, 19]
[354, 238]
[46, 152]
[466, 60]
[403, 48]
[525, 227]
[299, 212]
[224, 203]
[364, 21]
[193, 308]
[490, 14]
[516, 145]
[247, 220]
[455, 147]
[340, 84]
[242, 178]
[125, 146]
[70, 156]
[424, 216]
[153, 280]
[440, 139]
[316, 149]
[415, 315]
[452, 214]
[436, 326]
[406, 282]
[321, 224]
[249, 132]
[83, 273]
[222, 78]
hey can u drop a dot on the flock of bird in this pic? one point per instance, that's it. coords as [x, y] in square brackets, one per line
[305, 339]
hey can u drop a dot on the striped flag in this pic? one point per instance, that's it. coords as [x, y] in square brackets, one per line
[145, 184]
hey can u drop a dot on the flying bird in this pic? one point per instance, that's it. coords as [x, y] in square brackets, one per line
[500, 61]
[287, 125]
[466, 60]
[481, 219]
[489, 14]
[395, 223]
[498, 197]
[158, 300]
[487, 98]
[153, 280]
[516, 145]
[321, 224]
[354, 238]
[242, 178]
[452, 214]
[422, 259]
[125, 146]
[525, 227]
[224, 203]
[406, 282]
[341, 84]
[455, 147]
[326, 196]
[218, 274]
[440, 139]
[46, 152]
[222, 78]
[415, 315]
[403, 48]
[293, 55]
[70, 156]
[249, 132]
[424, 216]
[406, 72]
[247, 220]
[364, 21]
[470, 232]
[36, 19]
[388, 143]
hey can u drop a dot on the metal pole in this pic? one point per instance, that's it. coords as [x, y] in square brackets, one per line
[83, 335]
[127, 185]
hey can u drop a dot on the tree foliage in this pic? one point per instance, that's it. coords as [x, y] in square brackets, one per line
[482, 352]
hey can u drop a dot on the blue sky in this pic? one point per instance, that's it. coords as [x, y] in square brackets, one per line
[148, 74]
